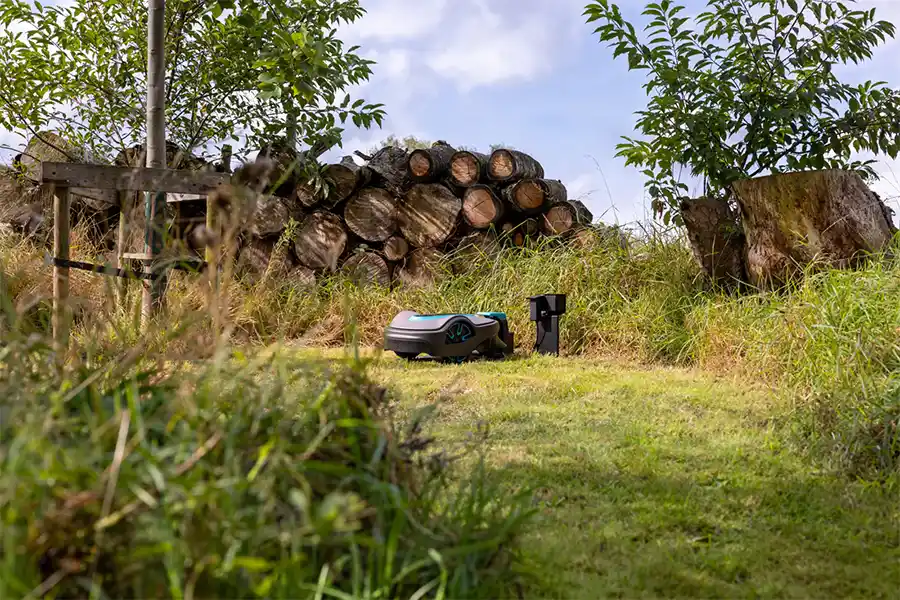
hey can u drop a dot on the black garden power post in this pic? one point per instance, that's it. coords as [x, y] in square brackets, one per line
[546, 310]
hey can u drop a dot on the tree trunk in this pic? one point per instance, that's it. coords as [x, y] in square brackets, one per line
[431, 164]
[156, 149]
[533, 196]
[367, 268]
[481, 208]
[566, 216]
[320, 241]
[429, 214]
[519, 233]
[259, 257]
[271, 216]
[421, 268]
[716, 239]
[512, 165]
[395, 248]
[793, 220]
[372, 214]
[467, 168]
[344, 178]
[389, 168]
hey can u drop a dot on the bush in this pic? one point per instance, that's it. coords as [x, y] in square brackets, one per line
[239, 477]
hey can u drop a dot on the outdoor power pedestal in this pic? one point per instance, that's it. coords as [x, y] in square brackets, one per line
[546, 310]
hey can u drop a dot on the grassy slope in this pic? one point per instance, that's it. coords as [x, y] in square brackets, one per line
[663, 482]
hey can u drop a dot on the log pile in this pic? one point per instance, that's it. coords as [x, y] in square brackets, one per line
[391, 218]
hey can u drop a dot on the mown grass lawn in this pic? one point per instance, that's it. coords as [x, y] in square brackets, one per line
[661, 482]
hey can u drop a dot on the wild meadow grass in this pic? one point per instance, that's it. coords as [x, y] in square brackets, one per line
[242, 476]
[831, 343]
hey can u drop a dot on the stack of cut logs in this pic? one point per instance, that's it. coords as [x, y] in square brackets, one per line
[393, 218]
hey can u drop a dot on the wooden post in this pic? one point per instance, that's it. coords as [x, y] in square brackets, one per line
[156, 153]
[124, 214]
[60, 318]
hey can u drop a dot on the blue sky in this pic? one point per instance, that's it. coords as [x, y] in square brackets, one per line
[531, 74]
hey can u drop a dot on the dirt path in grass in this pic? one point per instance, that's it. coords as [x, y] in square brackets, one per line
[662, 483]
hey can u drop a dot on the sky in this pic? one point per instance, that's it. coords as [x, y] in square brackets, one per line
[531, 74]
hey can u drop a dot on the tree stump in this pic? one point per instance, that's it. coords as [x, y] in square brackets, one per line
[716, 239]
[429, 214]
[794, 220]
[372, 214]
[320, 241]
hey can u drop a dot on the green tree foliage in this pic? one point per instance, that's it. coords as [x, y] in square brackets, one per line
[749, 88]
[235, 69]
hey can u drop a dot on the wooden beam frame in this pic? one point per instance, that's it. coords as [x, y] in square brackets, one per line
[135, 179]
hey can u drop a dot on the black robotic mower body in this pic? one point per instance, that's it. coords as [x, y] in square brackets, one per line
[452, 337]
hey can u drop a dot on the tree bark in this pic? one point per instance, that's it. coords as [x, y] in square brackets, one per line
[519, 233]
[716, 239]
[481, 208]
[428, 215]
[372, 214]
[566, 216]
[533, 196]
[389, 168]
[421, 268]
[320, 241]
[431, 164]
[345, 177]
[467, 168]
[367, 268]
[156, 149]
[512, 165]
[795, 220]
[395, 248]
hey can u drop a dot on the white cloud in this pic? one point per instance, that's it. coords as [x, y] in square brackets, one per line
[489, 49]
[394, 20]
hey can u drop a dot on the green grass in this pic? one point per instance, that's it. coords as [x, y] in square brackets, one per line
[659, 482]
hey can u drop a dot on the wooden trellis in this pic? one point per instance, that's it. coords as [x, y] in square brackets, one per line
[62, 177]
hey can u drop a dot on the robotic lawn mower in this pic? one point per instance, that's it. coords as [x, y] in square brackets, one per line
[456, 337]
[452, 337]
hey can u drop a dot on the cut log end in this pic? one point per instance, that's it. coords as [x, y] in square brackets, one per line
[465, 169]
[372, 214]
[507, 165]
[563, 217]
[481, 207]
[529, 195]
[429, 214]
[421, 268]
[367, 269]
[320, 241]
[395, 248]
[420, 163]
[502, 165]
